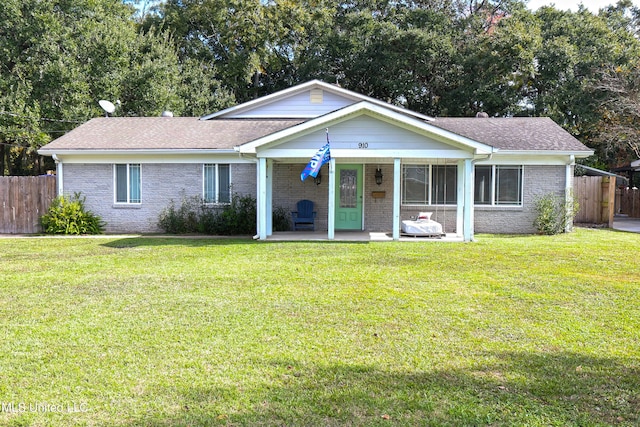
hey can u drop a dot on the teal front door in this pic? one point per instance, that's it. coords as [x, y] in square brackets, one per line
[348, 197]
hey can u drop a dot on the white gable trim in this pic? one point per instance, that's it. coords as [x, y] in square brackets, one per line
[364, 107]
[308, 86]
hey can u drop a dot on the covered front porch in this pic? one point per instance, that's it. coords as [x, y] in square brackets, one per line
[375, 205]
[363, 138]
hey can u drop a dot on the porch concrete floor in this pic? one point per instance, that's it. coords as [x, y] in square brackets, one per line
[354, 236]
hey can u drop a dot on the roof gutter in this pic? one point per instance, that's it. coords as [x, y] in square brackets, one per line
[137, 151]
[576, 154]
[488, 156]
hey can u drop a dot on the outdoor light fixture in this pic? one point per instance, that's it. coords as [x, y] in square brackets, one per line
[318, 178]
[378, 176]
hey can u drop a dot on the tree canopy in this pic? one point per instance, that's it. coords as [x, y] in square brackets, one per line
[59, 58]
[444, 57]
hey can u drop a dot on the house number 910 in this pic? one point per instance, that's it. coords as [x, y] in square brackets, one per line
[363, 145]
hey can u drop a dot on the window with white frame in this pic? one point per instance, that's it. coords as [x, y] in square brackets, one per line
[217, 183]
[415, 184]
[444, 188]
[429, 184]
[499, 185]
[127, 178]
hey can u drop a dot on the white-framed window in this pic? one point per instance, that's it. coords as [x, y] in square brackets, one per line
[429, 184]
[498, 185]
[127, 183]
[216, 183]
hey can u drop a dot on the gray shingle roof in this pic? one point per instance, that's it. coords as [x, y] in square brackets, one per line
[159, 133]
[516, 133]
[162, 133]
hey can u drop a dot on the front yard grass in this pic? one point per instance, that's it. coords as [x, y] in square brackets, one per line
[509, 330]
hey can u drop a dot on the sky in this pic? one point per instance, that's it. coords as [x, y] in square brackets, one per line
[592, 5]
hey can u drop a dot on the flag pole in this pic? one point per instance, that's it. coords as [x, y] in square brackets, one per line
[329, 164]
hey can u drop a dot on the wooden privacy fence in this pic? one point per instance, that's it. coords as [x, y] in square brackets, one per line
[629, 201]
[596, 198]
[23, 200]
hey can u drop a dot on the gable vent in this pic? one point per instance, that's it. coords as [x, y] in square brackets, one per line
[316, 96]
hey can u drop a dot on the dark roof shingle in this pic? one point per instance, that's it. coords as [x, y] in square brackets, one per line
[159, 133]
[515, 133]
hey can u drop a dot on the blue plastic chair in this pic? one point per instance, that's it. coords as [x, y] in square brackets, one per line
[305, 217]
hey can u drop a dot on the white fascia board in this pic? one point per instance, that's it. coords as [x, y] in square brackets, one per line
[576, 154]
[363, 108]
[165, 151]
[150, 156]
[532, 158]
[635, 164]
[367, 154]
[356, 97]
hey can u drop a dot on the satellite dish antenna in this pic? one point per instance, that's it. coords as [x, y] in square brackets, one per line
[107, 106]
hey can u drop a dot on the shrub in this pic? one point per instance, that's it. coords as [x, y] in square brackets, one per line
[193, 215]
[238, 217]
[554, 213]
[181, 220]
[281, 219]
[68, 215]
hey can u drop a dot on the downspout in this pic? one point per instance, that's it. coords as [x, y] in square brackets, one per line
[236, 148]
[59, 174]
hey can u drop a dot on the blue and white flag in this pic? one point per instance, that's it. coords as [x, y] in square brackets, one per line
[320, 158]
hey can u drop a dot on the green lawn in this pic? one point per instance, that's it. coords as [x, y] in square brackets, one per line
[526, 330]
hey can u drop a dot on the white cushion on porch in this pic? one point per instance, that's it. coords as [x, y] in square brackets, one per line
[422, 227]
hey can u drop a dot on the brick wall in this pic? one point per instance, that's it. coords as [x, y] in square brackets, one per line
[243, 179]
[288, 190]
[161, 183]
[378, 215]
[378, 212]
[538, 181]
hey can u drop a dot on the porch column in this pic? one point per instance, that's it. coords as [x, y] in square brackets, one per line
[467, 216]
[460, 204]
[331, 220]
[397, 177]
[269, 208]
[262, 198]
[568, 193]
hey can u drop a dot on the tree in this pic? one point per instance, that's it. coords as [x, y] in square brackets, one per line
[576, 46]
[253, 46]
[494, 64]
[445, 57]
[59, 58]
[617, 134]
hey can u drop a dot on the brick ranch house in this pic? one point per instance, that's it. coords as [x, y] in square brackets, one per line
[474, 174]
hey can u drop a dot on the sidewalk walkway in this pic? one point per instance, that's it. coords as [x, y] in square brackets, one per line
[352, 236]
[624, 223]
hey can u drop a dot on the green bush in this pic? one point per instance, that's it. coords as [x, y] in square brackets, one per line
[554, 213]
[281, 218]
[68, 215]
[183, 219]
[238, 217]
[194, 216]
